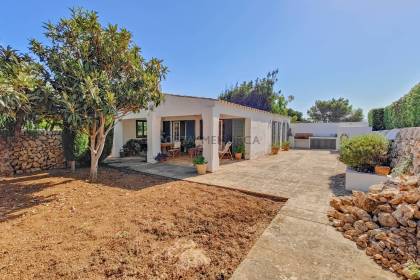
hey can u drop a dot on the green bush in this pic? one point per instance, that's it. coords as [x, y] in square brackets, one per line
[81, 144]
[239, 149]
[363, 152]
[199, 160]
[376, 119]
[404, 112]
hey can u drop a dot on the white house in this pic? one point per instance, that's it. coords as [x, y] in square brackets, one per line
[214, 121]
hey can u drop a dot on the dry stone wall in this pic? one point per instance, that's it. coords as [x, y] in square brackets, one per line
[31, 152]
[406, 145]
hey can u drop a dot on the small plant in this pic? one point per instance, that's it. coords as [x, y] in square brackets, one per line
[402, 167]
[363, 152]
[411, 270]
[276, 146]
[285, 145]
[199, 160]
[161, 157]
[240, 149]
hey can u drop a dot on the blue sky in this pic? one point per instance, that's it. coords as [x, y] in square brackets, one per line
[364, 50]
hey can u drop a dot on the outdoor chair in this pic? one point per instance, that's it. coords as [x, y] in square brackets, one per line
[175, 150]
[226, 151]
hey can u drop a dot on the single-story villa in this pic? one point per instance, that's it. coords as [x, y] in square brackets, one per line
[213, 122]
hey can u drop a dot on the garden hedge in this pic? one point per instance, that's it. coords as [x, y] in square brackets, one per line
[405, 112]
[376, 119]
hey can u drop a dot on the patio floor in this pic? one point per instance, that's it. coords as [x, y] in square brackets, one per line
[179, 167]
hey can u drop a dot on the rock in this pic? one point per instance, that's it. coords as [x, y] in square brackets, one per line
[338, 223]
[360, 226]
[361, 200]
[376, 188]
[384, 208]
[412, 197]
[387, 220]
[192, 258]
[403, 213]
[371, 225]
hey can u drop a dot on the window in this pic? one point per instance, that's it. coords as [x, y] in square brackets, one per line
[141, 128]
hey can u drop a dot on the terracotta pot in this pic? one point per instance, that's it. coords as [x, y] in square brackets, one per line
[286, 149]
[201, 168]
[382, 170]
[275, 150]
[238, 156]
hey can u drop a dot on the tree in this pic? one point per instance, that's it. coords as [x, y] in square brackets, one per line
[334, 110]
[295, 116]
[98, 75]
[24, 94]
[259, 94]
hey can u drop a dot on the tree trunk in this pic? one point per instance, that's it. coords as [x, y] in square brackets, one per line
[97, 143]
[94, 159]
[18, 124]
[72, 165]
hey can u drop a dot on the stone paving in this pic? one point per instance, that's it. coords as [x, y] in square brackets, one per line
[298, 244]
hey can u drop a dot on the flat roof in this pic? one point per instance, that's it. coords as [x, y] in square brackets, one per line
[227, 103]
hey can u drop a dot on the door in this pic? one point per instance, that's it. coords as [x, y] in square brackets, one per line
[176, 131]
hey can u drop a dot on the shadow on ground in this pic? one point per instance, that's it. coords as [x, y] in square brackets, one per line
[21, 193]
[337, 185]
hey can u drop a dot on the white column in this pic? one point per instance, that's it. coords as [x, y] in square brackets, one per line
[153, 136]
[280, 124]
[248, 139]
[118, 139]
[210, 141]
[197, 127]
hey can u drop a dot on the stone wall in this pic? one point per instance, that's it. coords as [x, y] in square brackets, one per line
[31, 152]
[407, 144]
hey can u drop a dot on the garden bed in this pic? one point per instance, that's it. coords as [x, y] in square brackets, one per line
[57, 225]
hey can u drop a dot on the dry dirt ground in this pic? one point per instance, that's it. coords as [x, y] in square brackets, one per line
[57, 225]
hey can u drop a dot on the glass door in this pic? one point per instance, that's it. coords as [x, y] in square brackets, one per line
[176, 131]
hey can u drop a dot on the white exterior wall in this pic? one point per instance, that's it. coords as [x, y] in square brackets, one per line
[332, 129]
[257, 125]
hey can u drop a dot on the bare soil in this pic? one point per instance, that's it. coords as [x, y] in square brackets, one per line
[57, 225]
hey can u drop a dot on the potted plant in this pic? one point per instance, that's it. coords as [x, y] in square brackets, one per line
[239, 151]
[382, 166]
[285, 146]
[200, 164]
[161, 157]
[275, 148]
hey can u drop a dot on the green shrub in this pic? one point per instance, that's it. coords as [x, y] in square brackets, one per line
[199, 160]
[239, 149]
[363, 152]
[403, 166]
[81, 144]
[376, 119]
[404, 112]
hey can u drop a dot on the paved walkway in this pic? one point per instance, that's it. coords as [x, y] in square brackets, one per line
[298, 244]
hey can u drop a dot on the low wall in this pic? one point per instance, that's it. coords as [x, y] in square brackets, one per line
[31, 152]
[407, 144]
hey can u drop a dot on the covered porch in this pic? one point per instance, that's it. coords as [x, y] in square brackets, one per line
[204, 124]
[191, 135]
